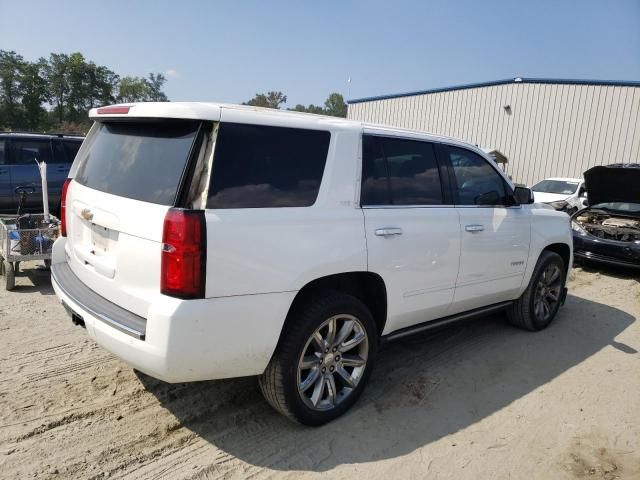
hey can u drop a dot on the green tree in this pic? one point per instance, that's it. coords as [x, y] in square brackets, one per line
[76, 73]
[268, 100]
[132, 89]
[34, 91]
[318, 110]
[10, 72]
[136, 89]
[335, 106]
[154, 88]
[57, 78]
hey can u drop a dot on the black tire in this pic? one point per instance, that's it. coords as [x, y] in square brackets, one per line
[8, 275]
[521, 313]
[279, 382]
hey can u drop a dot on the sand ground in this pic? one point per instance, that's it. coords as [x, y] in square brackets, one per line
[478, 401]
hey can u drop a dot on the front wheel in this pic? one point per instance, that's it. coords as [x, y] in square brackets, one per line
[323, 360]
[539, 303]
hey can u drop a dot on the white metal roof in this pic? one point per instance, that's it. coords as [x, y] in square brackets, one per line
[212, 111]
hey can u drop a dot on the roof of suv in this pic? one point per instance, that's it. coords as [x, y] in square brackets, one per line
[211, 111]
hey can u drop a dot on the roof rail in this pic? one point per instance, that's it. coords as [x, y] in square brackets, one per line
[50, 134]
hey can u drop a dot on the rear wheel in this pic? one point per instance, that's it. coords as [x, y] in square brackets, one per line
[323, 360]
[539, 304]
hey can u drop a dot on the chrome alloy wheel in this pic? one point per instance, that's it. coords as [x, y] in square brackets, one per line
[547, 294]
[332, 362]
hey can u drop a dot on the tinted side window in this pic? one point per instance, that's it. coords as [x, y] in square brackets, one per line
[477, 182]
[257, 166]
[375, 176]
[71, 147]
[3, 151]
[25, 151]
[399, 172]
[59, 155]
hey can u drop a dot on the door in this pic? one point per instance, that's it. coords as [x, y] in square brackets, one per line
[6, 192]
[413, 233]
[24, 169]
[495, 233]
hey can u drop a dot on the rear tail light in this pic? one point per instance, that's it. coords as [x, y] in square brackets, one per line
[114, 110]
[63, 207]
[183, 254]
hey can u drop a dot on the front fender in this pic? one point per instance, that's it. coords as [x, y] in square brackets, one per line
[548, 228]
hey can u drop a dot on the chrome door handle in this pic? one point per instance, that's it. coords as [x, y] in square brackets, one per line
[388, 231]
[473, 228]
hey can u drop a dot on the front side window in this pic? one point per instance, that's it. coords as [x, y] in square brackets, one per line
[258, 166]
[26, 151]
[399, 172]
[476, 181]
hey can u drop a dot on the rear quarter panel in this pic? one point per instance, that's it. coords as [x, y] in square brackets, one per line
[267, 250]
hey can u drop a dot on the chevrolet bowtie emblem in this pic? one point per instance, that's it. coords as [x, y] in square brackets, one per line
[86, 214]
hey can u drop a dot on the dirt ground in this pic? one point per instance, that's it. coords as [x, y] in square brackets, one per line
[479, 401]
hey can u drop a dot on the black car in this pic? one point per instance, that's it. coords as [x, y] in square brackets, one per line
[18, 168]
[608, 230]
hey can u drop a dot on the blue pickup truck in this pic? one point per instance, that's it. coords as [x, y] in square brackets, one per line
[18, 155]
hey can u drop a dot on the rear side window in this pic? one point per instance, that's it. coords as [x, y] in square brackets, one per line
[26, 151]
[142, 161]
[3, 151]
[71, 148]
[59, 155]
[257, 166]
[399, 172]
[477, 182]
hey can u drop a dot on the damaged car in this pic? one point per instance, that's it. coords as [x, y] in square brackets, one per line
[608, 230]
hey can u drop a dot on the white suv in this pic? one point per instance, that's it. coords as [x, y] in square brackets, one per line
[205, 241]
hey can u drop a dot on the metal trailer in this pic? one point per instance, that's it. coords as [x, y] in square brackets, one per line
[23, 244]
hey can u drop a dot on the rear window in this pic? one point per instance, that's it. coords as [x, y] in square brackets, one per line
[257, 166]
[142, 161]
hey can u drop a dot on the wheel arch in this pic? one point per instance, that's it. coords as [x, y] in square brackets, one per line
[563, 250]
[368, 287]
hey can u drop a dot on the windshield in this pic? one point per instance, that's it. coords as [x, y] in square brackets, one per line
[142, 161]
[622, 207]
[562, 187]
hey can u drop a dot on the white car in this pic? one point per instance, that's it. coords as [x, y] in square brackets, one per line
[564, 194]
[204, 241]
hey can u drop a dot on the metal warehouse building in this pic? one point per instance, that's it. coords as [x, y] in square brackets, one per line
[545, 127]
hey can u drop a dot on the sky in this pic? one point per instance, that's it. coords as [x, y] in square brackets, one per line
[230, 50]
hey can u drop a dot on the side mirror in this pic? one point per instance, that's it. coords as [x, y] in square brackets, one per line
[523, 195]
